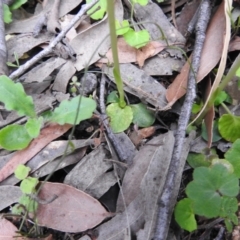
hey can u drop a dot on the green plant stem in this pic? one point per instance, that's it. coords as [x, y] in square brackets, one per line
[113, 37]
[226, 108]
[231, 74]
[222, 85]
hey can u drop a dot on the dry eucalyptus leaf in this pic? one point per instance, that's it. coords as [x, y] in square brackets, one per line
[8, 196]
[140, 84]
[26, 26]
[87, 43]
[72, 210]
[211, 53]
[92, 169]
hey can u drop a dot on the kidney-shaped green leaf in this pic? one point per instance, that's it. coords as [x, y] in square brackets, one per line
[229, 127]
[142, 116]
[137, 39]
[120, 118]
[14, 137]
[184, 215]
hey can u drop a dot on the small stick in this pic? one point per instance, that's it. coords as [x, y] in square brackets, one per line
[166, 202]
[56, 40]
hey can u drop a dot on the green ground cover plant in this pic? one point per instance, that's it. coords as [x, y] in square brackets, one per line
[7, 10]
[213, 191]
[16, 136]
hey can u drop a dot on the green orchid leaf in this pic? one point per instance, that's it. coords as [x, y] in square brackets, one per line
[221, 97]
[33, 126]
[142, 116]
[28, 185]
[120, 118]
[208, 186]
[15, 98]
[198, 160]
[216, 135]
[7, 15]
[17, 4]
[113, 97]
[21, 172]
[14, 137]
[121, 28]
[137, 39]
[67, 110]
[229, 127]
[184, 215]
[233, 156]
[99, 13]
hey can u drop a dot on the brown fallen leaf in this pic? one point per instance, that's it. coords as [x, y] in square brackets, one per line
[209, 117]
[211, 54]
[234, 44]
[8, 231]
[128, 54]
[72, 211]
[47, 134]
[137, 136]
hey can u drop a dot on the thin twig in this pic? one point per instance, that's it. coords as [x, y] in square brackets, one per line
[51, 46]
[53, 24]
[166, 202]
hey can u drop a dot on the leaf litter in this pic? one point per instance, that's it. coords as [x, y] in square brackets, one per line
[98, 172]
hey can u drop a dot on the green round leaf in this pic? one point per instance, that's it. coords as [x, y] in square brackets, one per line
[33, 126]
[142, 116]
[137, 39]
[184, 215]
[113, 97]
[28, 185]
[21, 172]
[122, 27]
[233, 156]
[120, 118]
[67, 110]
[99, 13]
[216, 136]
[208, 186]
[229, 127]
[30, 204]
[7, 15]
[197, 160]
[14, 137]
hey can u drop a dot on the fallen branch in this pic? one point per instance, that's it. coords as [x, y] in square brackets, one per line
[50, 47]
[166, 202]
